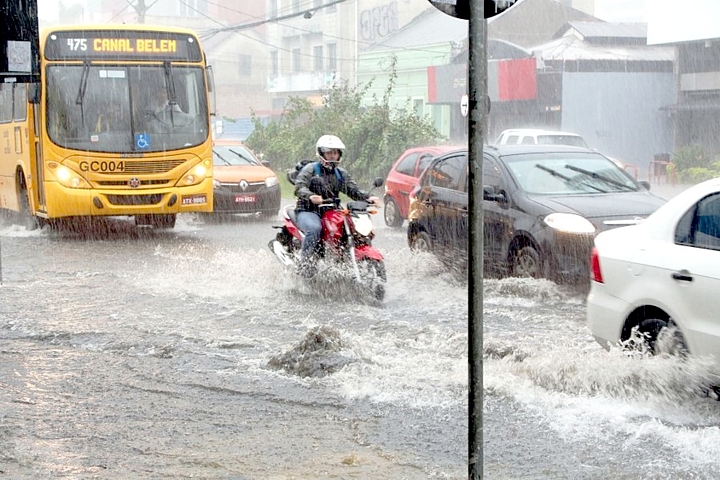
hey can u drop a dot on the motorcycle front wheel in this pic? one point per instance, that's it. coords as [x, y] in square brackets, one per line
[373, 277]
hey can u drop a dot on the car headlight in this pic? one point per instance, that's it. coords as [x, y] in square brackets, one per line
[195, 175]
[271, 181]
[68, 177]
[569, 222]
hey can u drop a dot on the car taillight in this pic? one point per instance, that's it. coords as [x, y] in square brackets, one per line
[596, 274]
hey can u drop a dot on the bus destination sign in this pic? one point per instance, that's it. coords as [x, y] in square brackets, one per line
[139, 45]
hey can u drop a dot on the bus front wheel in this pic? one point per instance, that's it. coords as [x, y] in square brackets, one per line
[157, 221]
[27, 219]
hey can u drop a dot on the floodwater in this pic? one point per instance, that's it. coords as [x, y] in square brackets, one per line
[133, 353]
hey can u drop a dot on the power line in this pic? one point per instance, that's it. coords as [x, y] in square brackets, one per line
[276, 18]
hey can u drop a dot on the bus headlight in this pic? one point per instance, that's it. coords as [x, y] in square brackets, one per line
[194, 176]
[68, 178]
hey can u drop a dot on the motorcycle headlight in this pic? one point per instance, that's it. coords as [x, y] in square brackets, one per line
[363, 225]
[569, 222]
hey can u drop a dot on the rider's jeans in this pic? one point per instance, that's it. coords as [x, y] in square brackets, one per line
[311, 226]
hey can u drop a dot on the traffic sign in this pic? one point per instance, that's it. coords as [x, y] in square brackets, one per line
[464, 105]
[461, 8]
[19, 42]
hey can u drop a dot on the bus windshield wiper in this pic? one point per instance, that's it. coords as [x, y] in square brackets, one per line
[598, 176]
[170, 88]
[81, 90]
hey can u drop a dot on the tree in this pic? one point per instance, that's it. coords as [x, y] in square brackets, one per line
[374, 135]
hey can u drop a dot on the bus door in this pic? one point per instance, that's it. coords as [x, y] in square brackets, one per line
[36, 153]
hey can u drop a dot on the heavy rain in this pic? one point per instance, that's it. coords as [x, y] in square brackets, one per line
[153, 323]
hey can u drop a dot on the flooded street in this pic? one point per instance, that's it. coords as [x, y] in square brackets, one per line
[136, 353]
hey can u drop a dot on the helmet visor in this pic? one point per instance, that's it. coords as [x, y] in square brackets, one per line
[330, 155]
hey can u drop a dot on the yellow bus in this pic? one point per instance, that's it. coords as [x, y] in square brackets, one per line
[118, 126]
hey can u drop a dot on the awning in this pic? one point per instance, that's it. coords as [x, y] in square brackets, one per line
[694, 106]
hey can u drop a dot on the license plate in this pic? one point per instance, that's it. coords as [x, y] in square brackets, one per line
[194, 199]
[244, 198]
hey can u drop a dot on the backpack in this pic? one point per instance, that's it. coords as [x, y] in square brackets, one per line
[293, 173]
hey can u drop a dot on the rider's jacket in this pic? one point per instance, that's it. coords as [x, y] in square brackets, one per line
[314, 179]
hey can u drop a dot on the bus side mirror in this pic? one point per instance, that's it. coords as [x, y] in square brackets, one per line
[34, 93]
[211, 89]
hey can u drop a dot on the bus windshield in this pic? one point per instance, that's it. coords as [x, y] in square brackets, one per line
[126, 109]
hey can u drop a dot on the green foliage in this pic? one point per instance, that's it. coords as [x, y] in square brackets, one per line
[695, 175]
[693, 165]
[691, 156]
[374, 135]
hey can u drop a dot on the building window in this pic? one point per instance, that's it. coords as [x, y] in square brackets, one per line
[296, 60]
[189, 8]
[332, 57]
[245, 64]
[274, 64]
[419, 107]
[318, 58]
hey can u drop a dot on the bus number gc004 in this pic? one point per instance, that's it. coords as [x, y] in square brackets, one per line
[102, 166]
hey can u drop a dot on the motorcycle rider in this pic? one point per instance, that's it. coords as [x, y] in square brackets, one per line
[323, 179]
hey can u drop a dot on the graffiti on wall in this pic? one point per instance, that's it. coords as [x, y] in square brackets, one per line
[379, 22]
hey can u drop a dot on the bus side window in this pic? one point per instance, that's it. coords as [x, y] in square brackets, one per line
[6, 102]
[20, 101]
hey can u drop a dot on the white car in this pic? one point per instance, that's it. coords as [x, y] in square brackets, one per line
[534, 136]
[662, 277]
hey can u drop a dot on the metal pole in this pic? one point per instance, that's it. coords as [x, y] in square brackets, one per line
[477, 75]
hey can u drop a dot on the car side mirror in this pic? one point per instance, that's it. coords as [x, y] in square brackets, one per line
[265, 163]
[645, 184]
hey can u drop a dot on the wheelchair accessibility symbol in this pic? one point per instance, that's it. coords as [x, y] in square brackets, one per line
[142, 141]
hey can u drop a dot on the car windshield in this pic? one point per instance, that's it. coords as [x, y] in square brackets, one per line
[233, 155]
[572, 140]
[568, 173]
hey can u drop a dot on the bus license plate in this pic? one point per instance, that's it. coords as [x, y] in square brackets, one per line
[244, 198]
[194, 199]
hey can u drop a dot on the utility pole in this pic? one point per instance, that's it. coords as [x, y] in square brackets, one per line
[141, 9]
[478, 107]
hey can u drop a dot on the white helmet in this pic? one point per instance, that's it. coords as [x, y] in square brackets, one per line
[329, 142]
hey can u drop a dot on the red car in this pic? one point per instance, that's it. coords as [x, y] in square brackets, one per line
[403, 177]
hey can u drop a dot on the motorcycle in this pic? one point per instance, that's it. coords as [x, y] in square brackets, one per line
[346, 243]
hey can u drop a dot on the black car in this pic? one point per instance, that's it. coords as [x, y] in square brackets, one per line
[542, 207]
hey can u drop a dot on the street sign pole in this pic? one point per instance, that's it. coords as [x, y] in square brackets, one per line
[477, 74]
[477, 105]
